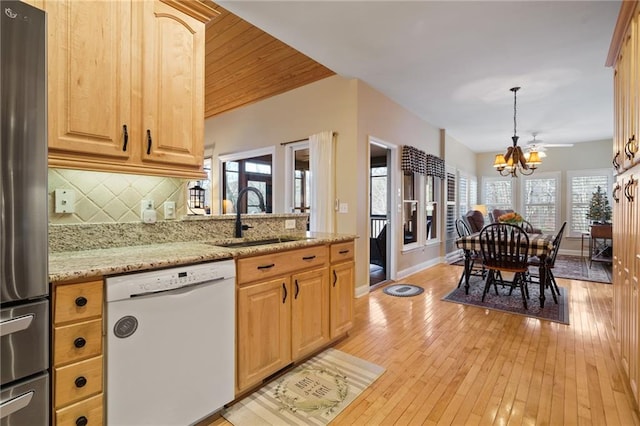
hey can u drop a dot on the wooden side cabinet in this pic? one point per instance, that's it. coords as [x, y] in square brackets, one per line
[342, 288]
[77, 353]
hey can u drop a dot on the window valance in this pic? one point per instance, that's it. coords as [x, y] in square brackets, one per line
[417, 161]
[414, 160]
[435, 166]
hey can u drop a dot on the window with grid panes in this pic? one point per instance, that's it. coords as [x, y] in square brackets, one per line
[540, 206]
[581, 186]
[498, 193]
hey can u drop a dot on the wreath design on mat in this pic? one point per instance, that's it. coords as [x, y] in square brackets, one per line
[305, 391]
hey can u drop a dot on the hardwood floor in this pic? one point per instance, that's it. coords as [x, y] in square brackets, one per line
[452, 364]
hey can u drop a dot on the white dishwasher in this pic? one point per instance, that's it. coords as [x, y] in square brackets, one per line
[170, 344]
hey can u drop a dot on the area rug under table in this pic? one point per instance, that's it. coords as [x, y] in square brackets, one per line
[311, 394]
[513, 303]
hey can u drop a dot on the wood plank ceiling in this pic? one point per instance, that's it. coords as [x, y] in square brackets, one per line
[243, 64]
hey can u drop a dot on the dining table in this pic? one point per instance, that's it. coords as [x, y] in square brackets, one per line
[540, 245]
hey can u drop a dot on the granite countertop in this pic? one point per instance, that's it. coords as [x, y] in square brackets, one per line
[87, 264]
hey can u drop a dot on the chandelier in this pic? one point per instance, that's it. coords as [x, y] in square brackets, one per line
[514, 160]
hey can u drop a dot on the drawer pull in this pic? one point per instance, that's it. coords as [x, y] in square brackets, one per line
[80, 381]
[309, 257]
[343, 251]
[82, 421]
[79, 342]
[269, 266]
[81, 301]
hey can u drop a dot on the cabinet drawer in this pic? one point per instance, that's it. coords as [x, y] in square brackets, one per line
[77, 381]
[342, 251]
[89, 409]
[280, 263]
[74, 302]
[77, 341]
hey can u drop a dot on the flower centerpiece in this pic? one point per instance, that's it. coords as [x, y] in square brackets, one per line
[512, 218]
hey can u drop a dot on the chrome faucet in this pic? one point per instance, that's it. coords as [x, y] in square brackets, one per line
[239, 226]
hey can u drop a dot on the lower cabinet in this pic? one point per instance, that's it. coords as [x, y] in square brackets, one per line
[289, 305]
[78, 353]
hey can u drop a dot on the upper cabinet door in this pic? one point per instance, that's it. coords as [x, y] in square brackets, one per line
[173, 86]
[89, 79]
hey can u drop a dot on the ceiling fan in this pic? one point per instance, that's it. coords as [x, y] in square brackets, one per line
[540, 146]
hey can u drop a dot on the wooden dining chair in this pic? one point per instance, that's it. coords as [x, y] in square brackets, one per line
[478, 270]
[550, 262]
[505, 248]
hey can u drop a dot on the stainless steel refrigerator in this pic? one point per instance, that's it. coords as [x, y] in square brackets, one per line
[24, 292]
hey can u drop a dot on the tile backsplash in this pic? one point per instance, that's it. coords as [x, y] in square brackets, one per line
[112, 197]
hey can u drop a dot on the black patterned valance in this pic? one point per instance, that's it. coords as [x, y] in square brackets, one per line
[435, 166]
[413, 160]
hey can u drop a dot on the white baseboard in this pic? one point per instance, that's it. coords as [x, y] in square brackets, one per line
[419, 267]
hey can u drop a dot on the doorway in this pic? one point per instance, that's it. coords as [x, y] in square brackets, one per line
[380, 184]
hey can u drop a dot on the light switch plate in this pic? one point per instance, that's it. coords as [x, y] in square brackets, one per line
[65, 201]
[169, 210]
[344, 208]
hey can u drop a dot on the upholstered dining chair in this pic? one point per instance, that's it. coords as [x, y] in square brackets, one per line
[505, 248]
[475, 220]
[476, 268]
[550, 261]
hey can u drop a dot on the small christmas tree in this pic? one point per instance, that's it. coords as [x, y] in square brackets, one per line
[599, 209]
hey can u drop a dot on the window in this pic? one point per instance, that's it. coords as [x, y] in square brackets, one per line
[540, 195]
[301, 181]
[378, 191]
[409, 208]
[451, 212]
[242, 170]
[498, 193]
[581, 186]
[432, 194]
[467, 193]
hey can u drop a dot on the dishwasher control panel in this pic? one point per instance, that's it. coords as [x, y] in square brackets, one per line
[142, 283]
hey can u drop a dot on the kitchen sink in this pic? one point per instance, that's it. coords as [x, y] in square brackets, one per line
[252, 243]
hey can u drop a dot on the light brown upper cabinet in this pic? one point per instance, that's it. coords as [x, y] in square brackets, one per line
[125, 87]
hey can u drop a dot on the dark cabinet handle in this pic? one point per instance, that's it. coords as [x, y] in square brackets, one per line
[148, 142]
[335, 278]
[343, 251]
[126, 137]
[627, 189]
[79, 342]
[82, 421]
[269, 266]
[80, 381]
[615, 163]
[309, 257]
[81, 301]
[284, 297]
[628, 148]
[614, 194]
[297, 290]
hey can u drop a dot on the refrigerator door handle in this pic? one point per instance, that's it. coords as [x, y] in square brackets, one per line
[10, 406]
[15, 324]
